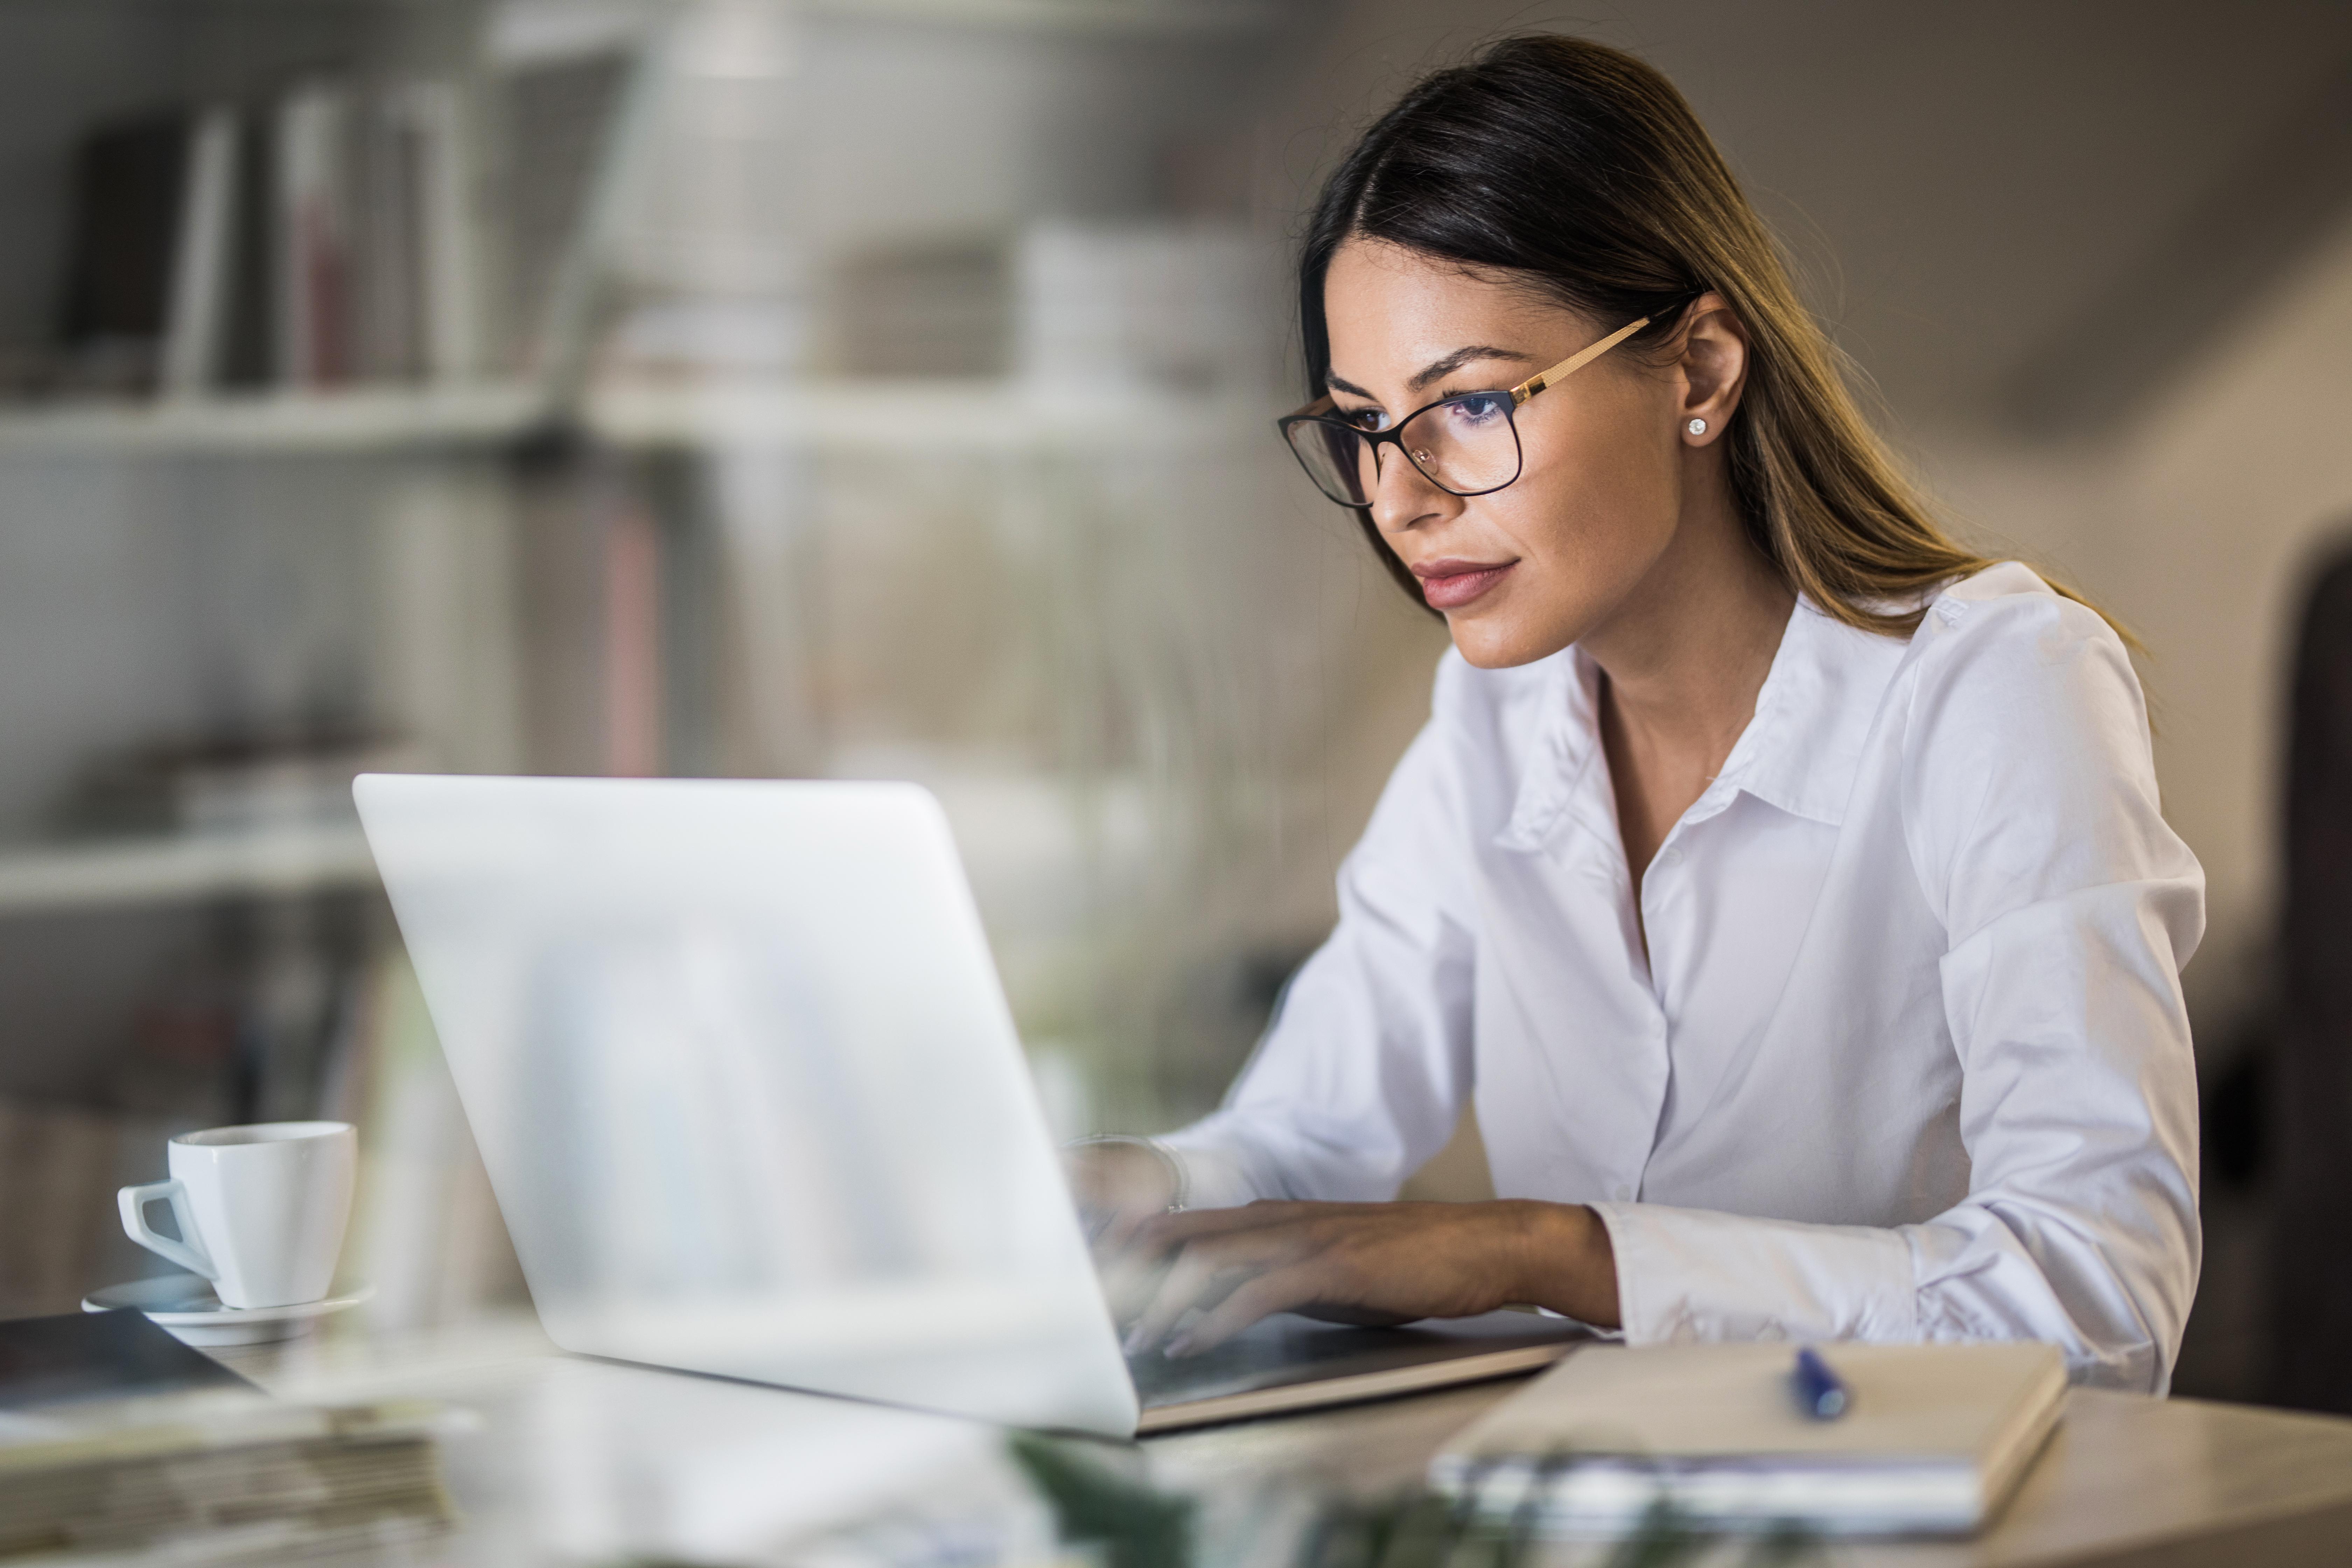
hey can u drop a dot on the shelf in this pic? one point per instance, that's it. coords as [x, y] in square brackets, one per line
[190, 869]
[907, 416]
[914, 418]
[358, 419]
[1104, 18]
[528, 31]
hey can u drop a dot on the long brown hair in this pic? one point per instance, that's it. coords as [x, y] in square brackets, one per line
[1581, 170]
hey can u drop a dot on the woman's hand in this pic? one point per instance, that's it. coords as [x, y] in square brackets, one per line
[1357, 1263]
[1117, 1186]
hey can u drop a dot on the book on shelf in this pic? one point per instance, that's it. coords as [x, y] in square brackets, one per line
[427, 124]
[55, 1162]
[196, 321]
[61, 1165]
[229, 781]
[329, 236]
[378, 252]
[314, 195]
[389, 307]
[247, 354]
[131, 181]
[1168, 304]
[343, 231]
[556, 119]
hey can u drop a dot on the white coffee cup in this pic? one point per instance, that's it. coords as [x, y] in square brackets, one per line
[261, 1208]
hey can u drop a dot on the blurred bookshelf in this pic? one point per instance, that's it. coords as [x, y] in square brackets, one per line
[184, 867]
[1084, 18]
[907, 416]
[357, 419]
[269, 352]
[600, 386]
[942, 416]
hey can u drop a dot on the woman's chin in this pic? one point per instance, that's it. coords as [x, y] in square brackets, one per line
[1498, 641]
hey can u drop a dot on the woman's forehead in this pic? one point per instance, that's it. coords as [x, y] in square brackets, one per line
[1390, 310]
[1364, 264]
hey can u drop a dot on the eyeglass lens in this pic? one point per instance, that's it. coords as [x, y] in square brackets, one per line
[1464, 444]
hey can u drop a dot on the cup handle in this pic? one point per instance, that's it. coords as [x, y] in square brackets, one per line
[188, 1254]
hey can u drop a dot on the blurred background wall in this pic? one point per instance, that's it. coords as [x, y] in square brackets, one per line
[880, 389]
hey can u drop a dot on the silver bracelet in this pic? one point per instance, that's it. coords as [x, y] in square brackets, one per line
[1177, 1173]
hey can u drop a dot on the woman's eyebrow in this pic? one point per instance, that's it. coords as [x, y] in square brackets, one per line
[1438, 370]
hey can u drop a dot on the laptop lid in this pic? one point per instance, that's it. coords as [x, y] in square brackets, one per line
[747, 1088]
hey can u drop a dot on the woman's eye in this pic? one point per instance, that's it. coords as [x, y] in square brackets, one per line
[1479, 409]
[1364, 418]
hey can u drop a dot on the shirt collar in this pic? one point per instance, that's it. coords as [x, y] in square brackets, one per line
[1802, 749]
[1800, 753]
[1566, 746]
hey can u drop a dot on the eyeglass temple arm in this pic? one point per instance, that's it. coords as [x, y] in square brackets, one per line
[1533, 383]
[1573, 363]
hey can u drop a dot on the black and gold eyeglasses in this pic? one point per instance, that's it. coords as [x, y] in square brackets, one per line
[1466, 445]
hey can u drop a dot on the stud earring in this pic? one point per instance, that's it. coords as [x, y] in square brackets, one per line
[1698, 427]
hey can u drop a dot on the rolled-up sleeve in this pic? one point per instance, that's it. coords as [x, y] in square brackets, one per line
[2033, 827]
[1366, 1065]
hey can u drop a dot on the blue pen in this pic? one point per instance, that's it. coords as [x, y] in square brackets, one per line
[1820, 1392]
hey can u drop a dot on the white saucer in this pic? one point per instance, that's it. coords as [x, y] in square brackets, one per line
[185, 1305]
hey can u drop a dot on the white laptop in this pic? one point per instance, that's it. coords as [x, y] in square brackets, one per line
[752, 1104]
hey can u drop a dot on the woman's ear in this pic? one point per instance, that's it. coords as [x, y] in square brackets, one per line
[1713, 366]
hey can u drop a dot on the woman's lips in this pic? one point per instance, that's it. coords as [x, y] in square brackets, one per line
[1450, 585]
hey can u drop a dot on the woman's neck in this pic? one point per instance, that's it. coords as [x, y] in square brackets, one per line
[1688, 653]
[1682, 663]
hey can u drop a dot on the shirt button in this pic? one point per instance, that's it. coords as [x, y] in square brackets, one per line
[1625, 1195]
[1670, 857]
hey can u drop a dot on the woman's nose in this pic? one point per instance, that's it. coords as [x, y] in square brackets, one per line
[1402, 496]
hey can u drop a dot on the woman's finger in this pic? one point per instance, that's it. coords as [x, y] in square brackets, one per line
[1285, 1289]
[1117, 1231]
[1192, 1281]
[1130, 1280]
[1202, 1276]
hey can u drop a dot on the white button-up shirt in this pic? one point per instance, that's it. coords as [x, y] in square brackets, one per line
[1906, 1057]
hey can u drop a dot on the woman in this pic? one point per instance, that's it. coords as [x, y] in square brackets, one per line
[1785, 883]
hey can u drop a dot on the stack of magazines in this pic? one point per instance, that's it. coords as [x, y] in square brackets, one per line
[195, 1468]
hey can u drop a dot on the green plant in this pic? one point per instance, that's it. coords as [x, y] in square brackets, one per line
[1136, 1525]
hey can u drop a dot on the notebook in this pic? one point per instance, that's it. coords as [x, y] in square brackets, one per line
[99, 1355]
[1934, 1441]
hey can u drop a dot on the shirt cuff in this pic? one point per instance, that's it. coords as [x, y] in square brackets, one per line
[1216, 1176]
[1693, 1274]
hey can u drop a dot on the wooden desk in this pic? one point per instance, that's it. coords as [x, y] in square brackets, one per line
[2151, 1483]
[566, 1460]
